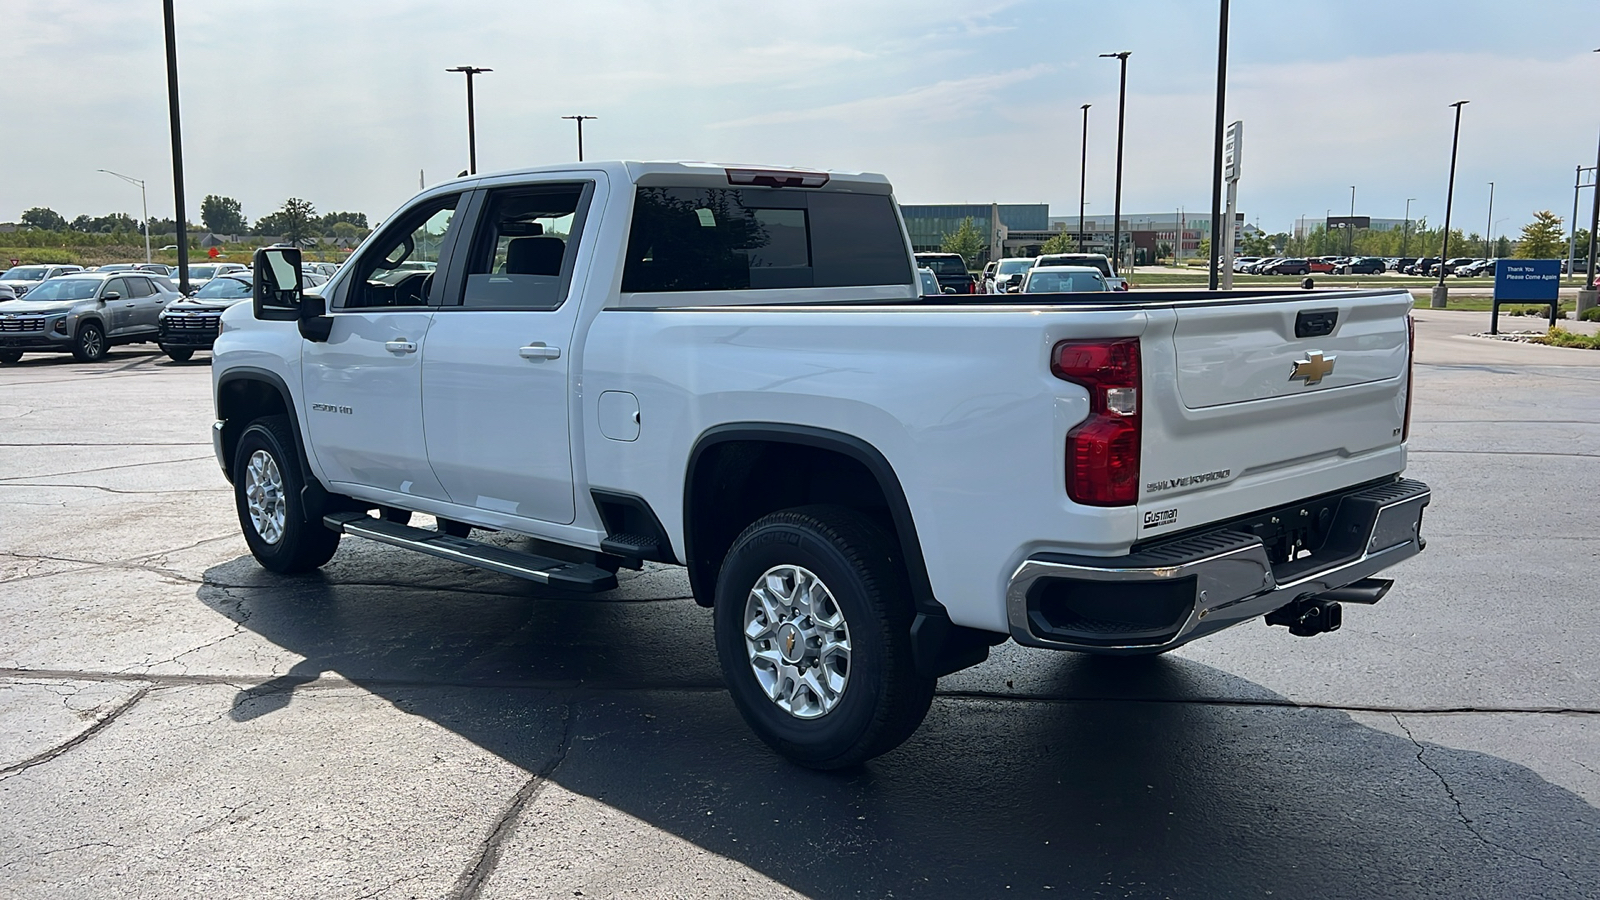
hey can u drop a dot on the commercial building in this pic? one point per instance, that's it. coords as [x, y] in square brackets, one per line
[1004, 225]
[1021, 229]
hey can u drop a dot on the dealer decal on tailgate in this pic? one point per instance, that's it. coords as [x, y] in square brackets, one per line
[1159, 517]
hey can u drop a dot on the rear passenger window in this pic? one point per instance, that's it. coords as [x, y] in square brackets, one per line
[526, 247]
[729, 239]
[139, 287]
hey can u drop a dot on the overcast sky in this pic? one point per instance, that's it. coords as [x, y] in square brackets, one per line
[955, 100]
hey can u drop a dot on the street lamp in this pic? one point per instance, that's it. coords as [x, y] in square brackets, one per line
[1405, 230]
[1216, 157]
[145, 207]
[579, 120]
[472, 126]
[1116, 207]
[1594, 223]
[1083, 177]
[1441, 294]
[177, 148]
[1350, 226]
[1489, 229]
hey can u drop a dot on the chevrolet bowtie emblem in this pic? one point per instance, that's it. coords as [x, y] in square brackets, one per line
[1314, 367]
[789, 644]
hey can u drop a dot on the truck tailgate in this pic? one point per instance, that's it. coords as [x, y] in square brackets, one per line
[1256, 404]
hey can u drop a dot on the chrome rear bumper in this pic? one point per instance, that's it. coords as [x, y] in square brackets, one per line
[1169, 594]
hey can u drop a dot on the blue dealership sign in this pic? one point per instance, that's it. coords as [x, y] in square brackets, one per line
[1531, 280]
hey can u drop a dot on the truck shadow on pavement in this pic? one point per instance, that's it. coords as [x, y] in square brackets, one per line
[1146, 777]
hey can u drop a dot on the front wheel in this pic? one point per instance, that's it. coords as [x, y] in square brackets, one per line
[9, 357]
[179, 354]
[267, 482]
[90, 343]
[813, 631]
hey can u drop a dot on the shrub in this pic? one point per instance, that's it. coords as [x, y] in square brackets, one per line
[1592, 314]
[1560, 337]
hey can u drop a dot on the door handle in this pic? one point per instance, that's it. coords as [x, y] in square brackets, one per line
[127, 304]
[401, 346]
[538, 350]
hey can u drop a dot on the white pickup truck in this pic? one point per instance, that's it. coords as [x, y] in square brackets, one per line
[732, 369]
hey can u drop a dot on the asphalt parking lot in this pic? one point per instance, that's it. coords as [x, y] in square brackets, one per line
[176, 722]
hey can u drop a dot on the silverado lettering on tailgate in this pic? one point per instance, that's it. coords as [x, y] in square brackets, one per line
[1185, 481]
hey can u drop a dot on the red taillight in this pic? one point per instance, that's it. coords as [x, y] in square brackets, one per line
[1103, 449]
[1411, 355]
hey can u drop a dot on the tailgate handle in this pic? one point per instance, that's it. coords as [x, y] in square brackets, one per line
[1315, 322]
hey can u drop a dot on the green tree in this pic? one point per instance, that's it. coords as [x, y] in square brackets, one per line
[967, 241]
[1204, 250]
[1542, 238]
[1060, 242]
[44, 218]
[222, 215]
[294, 223]
[1255, 245]
[357, 219]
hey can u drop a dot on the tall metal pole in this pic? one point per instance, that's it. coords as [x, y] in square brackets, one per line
[1083, 180]
[1405, 230]
[1449, 198]
[1572, 240]
[1487, 237]
[1116, 207]
[1216, 156]
[143, 205]
[1350, 227]
[579, 120]
[1594, 219]
[177, 149]
[472, 124]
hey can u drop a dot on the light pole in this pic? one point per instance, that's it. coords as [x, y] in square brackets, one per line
[1594, 222]
[1441, 294]
[579, 120]
[1216, 156]
[1405, 230]
[177, 148]
[1489, 228]
[1116, 206]
[1083, 178]
[144, 224]
[472, 125]
[1350, 226]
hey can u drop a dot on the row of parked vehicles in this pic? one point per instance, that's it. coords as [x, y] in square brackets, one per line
[87, 311]
[1461, 266]
[946, 273]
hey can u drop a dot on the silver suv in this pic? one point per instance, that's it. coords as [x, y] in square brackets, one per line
[22, 279]
[83, 314]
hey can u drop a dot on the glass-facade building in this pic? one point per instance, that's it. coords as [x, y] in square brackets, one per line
[929, 223]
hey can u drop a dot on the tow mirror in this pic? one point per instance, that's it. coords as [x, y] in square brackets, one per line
[276, 289]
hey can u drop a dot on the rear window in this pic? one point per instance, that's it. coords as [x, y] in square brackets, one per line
[1091, 260]
[730, 239]
[944, 265]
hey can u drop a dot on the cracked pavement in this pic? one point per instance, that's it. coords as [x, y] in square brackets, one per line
[174, 721]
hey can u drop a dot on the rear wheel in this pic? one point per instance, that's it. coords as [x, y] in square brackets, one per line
[813, 630]
[267, 483]
[10, 356]
[179, 354]
[90, 343]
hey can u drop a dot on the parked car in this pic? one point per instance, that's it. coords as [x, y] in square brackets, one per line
[1320, 265]
[1475, 269]
[1092, 260]
[868, 493]
[1293, 265]
[1242, 263]
[192, 323]
[84, 314]
[1423, 265]
[7, 292]
[1063, 280]
[929, 282]
[204, 272]
[1402, 264]
[1365, 265]
[1261, 265]
[115, 267]
[1580, 263]
[1006, 273]
[153, 269]
[951, 271]
[1449, 265]
[22, 279]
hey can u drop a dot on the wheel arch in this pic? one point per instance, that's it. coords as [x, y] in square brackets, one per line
[246, 393]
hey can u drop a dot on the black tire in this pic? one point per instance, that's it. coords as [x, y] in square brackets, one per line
[179, 354]
[884, 699]
[89, 345]
[10, 357]
[454, 528]
[302, 545]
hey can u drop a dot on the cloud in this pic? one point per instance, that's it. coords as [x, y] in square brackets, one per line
[943, 101]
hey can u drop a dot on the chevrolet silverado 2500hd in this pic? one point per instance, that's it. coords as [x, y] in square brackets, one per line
[734, 370]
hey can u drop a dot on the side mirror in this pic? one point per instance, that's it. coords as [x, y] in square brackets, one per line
[276, 291]
[110, 296]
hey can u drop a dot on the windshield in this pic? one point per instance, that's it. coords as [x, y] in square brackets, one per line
[224, 289]
[1013, 266]
[945, 265]
[197, 273]
[1045, 282]
[24, 273]
[66, 289]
